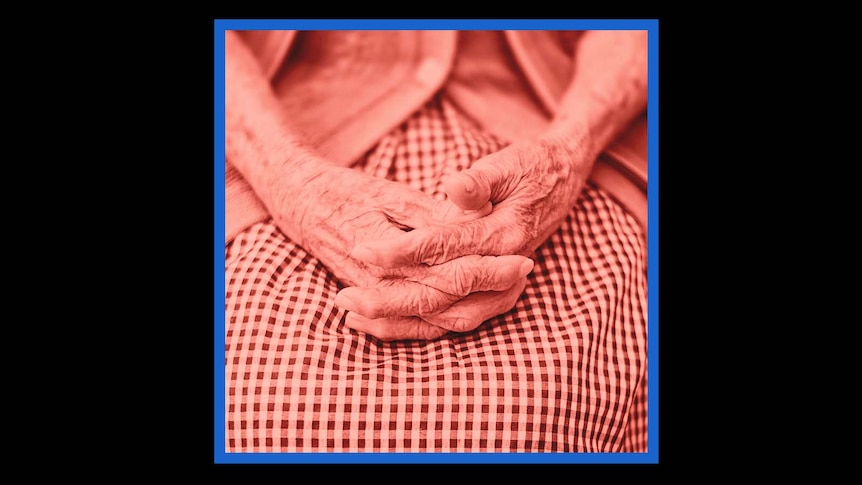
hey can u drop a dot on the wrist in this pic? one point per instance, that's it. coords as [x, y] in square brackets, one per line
[294, 191]
[573, 145]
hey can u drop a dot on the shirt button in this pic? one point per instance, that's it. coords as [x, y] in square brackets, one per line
[430, 72]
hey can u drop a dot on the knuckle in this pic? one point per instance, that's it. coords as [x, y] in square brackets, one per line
[497, 277]
[461, 280]
[464, 274]
[428, 301]
[482, 278]
[424, 300]
[432, 249]
[456, 322]
[413, 303]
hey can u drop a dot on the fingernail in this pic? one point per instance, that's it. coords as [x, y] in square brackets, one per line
[526, 267]
[362, 253]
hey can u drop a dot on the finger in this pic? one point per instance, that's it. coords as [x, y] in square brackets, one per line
[410, 208]
[401, 299]
[490, 179]
[421, 211]
[496, 234]
[389, 329]
[437, 288]
[466, 315]
[447, 212]
[475, 309]
[470, 274]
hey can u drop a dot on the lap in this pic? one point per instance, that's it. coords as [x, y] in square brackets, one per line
[564, 370]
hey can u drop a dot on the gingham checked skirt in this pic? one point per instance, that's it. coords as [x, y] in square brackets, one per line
[564, 371]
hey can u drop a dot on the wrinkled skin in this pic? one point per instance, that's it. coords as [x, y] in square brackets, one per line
[355, 223]
[532, 186]
[339, 208]
[442, 275]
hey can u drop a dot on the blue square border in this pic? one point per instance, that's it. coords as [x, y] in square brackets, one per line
[222, 457]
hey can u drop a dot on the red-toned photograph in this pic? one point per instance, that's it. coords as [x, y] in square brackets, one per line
[435, 241]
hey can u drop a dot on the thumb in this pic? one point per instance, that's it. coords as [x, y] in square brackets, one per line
[488, 180]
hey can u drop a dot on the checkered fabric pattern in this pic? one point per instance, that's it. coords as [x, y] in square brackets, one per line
[564, 371]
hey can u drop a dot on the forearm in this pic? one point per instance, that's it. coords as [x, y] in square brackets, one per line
[260, 143]
[608, 90]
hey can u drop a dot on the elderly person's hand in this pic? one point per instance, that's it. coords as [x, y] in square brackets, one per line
[461, 296]
[532, 187]
[534, 184]
[329, 209]
[341, 208]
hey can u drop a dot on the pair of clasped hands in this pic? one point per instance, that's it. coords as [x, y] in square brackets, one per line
[416, 268]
